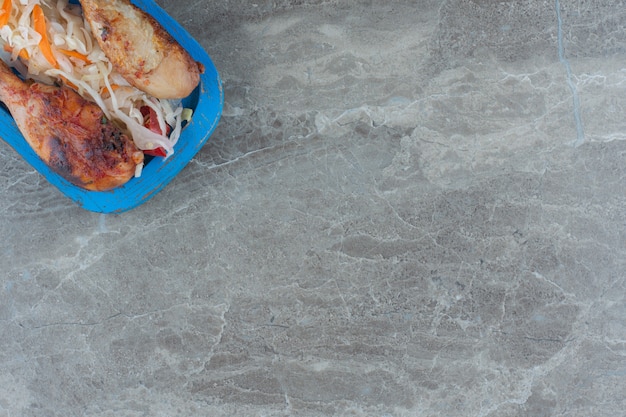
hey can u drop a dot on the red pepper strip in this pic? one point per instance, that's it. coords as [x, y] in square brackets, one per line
[39, 24]
[152, 122]
[5, 12]
[156, 152]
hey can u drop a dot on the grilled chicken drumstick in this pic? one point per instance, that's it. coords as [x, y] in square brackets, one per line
[141, 50]
[70, 134]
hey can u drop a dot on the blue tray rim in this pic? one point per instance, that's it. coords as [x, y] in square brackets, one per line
[158, 172]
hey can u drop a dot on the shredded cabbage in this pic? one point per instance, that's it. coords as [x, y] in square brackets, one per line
[83, 66]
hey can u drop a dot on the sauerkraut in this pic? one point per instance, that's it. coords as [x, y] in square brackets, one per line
[60, 49]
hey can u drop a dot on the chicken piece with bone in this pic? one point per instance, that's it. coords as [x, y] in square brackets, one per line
[141, 50]
[70, 134]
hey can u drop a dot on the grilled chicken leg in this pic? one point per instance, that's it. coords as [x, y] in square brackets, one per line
[70, 134]
[141, 50]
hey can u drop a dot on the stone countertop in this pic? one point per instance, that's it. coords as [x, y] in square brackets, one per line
[409, 208]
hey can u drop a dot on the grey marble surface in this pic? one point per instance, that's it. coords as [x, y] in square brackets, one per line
[409, 208]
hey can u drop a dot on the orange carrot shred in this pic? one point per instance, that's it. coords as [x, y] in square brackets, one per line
[105, 90]
[23, 52]
[75, 54]
[5, 12]
[69, 83]
[39, 23]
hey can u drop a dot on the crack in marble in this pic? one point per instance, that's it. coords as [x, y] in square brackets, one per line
[75, 324]
[580, 133]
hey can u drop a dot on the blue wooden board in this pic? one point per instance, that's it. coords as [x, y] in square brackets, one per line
[206, 101]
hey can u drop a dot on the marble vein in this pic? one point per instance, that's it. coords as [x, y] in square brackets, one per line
[580, 139]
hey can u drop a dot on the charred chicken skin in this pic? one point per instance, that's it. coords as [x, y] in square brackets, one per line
[70, 134]
[141, 50]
